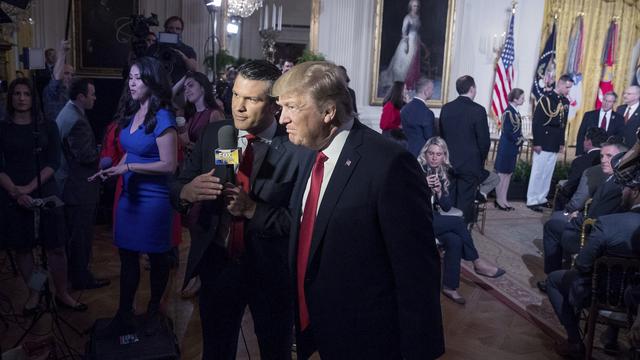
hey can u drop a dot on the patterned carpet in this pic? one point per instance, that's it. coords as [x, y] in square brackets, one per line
[513, 241]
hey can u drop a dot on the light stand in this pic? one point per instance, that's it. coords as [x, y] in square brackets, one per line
[212, 7]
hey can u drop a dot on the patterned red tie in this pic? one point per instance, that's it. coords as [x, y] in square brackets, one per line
[603, 123]
[306, 232]
[236, 238]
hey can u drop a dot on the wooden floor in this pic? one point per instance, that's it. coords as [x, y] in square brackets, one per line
[484, 328]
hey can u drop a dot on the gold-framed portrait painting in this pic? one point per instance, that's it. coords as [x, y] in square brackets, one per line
[412, 39]
[102, 41]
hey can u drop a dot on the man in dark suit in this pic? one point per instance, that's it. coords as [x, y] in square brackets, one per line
[240, 238]
[605, 118]
[363, 253]
[592, 139]
[562, 231]
[79, 162]
[611, 236]
[548, 126]
[418, 121]
[464, 126]
[630, 112]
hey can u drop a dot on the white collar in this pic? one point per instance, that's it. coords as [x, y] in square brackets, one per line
[333, 150]
[632, 108]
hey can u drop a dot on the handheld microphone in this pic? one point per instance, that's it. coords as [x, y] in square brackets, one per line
[105, 162]
[227, 153]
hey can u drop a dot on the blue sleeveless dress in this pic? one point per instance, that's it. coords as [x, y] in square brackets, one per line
[144, 214]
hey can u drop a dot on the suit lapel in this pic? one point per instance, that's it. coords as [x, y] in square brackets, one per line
[346, 164]
[269, 152]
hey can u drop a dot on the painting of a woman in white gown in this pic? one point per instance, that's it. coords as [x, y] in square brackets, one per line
[412, 44]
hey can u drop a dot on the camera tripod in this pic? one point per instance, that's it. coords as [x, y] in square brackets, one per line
[38, 206]
[46, 295]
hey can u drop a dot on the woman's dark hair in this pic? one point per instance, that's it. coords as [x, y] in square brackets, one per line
[514, 94]
[35, 109]
[209, 96]
[155, 77]
[395, 95]
[121, 112]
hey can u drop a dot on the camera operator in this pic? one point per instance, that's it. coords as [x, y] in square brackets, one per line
[177, 57]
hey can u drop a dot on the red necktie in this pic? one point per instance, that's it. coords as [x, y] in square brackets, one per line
[236, 238]
[306, 232]
[627, 115]
[603, 123]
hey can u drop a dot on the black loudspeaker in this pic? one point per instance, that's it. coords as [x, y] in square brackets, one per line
[162, 345]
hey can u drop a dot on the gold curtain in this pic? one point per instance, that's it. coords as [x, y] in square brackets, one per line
[597, 18]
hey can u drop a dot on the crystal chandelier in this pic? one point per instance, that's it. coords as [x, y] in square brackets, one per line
[243, 8]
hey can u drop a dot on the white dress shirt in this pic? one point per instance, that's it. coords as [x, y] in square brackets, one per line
[333, 153]
[607, 114]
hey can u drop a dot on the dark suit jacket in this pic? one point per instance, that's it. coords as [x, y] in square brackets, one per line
[631, 127]
[373, 278]
[605, 201]
[275, 169]
[464, 126]
[591, 119]
[417, 124]
[80, 157]
[578, 166]
[611, 235]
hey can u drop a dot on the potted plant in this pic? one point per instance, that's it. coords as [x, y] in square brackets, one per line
[309, 55]
[519, 181]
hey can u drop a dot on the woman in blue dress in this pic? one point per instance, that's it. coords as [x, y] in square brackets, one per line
[510, 142]
[144, 214]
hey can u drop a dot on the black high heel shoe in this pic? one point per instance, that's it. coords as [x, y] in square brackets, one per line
[500, 207]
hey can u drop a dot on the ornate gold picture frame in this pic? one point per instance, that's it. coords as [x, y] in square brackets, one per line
[410, 42]
[101, 27]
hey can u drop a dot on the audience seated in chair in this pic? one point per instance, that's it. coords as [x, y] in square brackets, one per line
[570, 290]
[562, 231]
[593, 139]
[448, 224]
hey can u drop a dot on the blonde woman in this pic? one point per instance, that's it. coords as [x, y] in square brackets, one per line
[450, 230]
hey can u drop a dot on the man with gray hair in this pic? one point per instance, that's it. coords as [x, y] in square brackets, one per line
[363, 255]
[605, 119]
[631, 114]
[417, 119]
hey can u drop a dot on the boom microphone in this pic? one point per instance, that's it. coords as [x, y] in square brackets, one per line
[227, 153]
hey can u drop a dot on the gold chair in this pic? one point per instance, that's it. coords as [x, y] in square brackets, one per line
[610, 278]
[557, 191]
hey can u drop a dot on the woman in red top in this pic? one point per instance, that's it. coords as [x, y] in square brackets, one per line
[392, 103]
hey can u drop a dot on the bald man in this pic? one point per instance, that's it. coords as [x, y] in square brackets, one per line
[631, 113]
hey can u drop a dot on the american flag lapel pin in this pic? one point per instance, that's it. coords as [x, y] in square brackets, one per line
[348, 162]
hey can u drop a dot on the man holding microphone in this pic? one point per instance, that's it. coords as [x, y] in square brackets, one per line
[239, 246]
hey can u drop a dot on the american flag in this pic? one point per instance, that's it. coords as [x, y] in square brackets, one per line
[505, 74]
